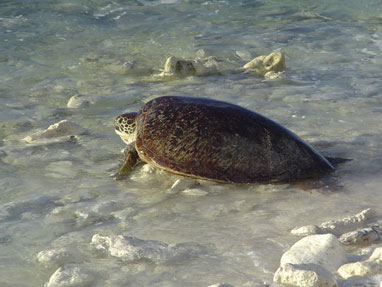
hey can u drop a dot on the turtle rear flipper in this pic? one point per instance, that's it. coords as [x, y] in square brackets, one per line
[335, 161]
[328, 183]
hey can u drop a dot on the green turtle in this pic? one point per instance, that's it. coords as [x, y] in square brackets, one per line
[214, 140]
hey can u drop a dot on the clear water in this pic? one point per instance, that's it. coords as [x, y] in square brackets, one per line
[52, 50]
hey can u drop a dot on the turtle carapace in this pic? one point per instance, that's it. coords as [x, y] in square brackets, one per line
[215, 140]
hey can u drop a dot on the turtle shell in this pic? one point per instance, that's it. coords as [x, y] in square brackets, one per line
[220, 141]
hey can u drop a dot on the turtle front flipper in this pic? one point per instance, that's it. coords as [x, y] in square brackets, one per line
[131, 159]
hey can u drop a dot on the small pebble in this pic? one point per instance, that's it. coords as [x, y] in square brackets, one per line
[80, 101]
[62, 128]
[58, 257]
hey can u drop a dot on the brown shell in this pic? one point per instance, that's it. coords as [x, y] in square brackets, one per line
[223, 142]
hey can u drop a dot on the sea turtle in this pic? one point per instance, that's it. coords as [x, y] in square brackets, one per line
[215, 140]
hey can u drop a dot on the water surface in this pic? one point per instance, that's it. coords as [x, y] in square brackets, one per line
[112, 51]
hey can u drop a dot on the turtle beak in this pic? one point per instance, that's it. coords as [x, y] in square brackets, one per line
[117, 123]
[117, 126]
[123, 136]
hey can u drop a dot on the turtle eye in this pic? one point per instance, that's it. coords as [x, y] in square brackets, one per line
[120, 120]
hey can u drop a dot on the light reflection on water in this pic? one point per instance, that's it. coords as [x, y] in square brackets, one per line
[112, 50]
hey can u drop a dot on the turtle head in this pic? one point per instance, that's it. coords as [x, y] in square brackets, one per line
[125, 127]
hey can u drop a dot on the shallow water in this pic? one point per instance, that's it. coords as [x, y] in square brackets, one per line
[59, 194]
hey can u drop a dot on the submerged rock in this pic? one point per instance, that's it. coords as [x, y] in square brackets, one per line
[60, 129]
[371, 266]
[87, 218]
[72, 275]
[132, 249]
[81, 216]
[80, 101]
[15, 209]
[58, 257]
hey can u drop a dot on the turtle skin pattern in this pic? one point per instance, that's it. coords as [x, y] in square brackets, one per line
[220, 141]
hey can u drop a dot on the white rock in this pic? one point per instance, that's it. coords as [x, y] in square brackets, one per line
[359, 269]
[376, 255]
[337, 226]
[178, 67]
[183, 68]
[58, 257]
[62, 128]
[70, 276]
[304, 275]
[348, 223]
[371, 266]
[306, 230]
[80, 101]
[273, 62]
[362, 236]
[132, 249]
[324, 250]
[256, 64]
